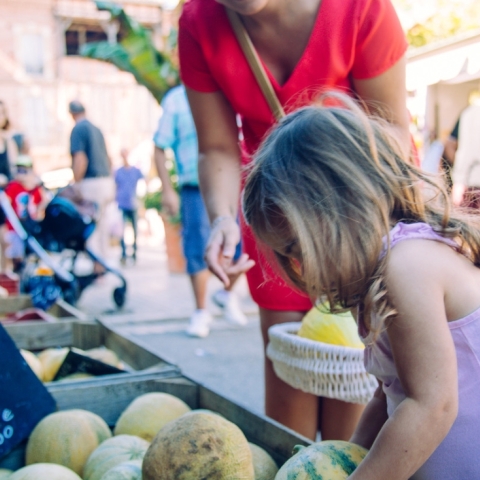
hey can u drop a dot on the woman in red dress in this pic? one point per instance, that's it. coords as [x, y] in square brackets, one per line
[306, 46]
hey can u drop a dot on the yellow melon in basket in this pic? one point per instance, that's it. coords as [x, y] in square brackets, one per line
[4, 473]
[339, 329]
[33, 362]
[150, 412]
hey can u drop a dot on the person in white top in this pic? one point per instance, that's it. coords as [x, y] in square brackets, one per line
[466, 169]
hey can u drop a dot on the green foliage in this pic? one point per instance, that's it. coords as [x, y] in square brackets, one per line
[135, 53]
[154, 199]
[446, 19]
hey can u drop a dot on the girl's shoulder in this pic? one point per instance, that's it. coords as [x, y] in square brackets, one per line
[414, 231]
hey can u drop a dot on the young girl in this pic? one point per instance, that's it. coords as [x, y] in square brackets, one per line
[349, 219]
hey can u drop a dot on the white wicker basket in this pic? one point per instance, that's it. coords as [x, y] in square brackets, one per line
[325, 370]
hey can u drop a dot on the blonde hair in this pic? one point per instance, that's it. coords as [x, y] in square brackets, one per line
[334, 181]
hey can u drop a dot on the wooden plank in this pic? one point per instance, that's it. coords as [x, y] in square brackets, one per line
[14, 303]
[137, 356]
[37, 335]
[275, 438]
[111, 396]
[62, 309]
[87, 335]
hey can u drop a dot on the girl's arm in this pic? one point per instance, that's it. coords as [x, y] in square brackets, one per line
[219, 175]
[425, 360]
[372, 420]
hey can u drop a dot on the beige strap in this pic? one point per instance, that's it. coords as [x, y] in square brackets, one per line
[255, 64]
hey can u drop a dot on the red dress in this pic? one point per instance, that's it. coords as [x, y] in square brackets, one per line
[351, 38]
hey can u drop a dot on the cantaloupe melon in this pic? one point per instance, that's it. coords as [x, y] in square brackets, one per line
[44, 471]
[77, 376]
[339, 329]
[104, 355]
[51, 360]
[66, 438]
[328, 460]
[197, 446]
[4, 473]
[33, 362]
[131, 470]
[112, 452]
[264, 465]
[147, 414]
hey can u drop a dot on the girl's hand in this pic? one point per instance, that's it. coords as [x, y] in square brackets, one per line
[221, 246]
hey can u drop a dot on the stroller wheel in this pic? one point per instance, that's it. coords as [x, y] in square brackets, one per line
[119, 296]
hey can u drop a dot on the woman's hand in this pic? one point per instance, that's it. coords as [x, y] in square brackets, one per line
[170, 202]
[220, 250]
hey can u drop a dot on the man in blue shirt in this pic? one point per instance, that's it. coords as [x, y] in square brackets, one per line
[126, 180]
[176, 130]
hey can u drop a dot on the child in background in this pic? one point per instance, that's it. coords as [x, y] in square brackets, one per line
[346, 217]
[28, 201]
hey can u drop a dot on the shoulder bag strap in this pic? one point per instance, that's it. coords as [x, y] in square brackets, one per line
[255, 64]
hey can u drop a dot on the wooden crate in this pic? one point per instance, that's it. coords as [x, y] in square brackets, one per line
[36, 336]
[109, 398]
[60, 310]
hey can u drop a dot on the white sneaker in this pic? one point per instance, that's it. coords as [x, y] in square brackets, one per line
[232, 312]
[199, 324]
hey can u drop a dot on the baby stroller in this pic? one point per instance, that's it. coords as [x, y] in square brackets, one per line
[64, 230]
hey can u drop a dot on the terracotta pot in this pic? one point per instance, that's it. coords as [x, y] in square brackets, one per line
[173, 243]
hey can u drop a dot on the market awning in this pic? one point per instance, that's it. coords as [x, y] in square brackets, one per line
[451, 62]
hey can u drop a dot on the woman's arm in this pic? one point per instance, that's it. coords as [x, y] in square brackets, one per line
[12, 152]
[373, 418]
[386, 95]
[219, 174]
[425, 360]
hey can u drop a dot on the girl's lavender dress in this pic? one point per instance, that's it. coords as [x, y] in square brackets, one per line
[458, 456]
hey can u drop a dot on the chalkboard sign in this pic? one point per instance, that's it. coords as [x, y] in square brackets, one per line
[24, 401]
[77, 363]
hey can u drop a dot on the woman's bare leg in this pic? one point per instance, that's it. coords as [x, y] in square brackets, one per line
[338, 419]
[291, 407]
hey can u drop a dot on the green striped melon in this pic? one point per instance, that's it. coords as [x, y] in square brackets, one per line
[263, 464]
[131, 470]
[328, 460]
[4, 473]
[44, 471]
[199, 446]
[66, 438]
[147, 414]
[111, 452]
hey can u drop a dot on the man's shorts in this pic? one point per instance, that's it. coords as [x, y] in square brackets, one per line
[195, 229]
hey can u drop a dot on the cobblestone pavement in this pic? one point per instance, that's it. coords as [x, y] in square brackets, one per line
[156, 315]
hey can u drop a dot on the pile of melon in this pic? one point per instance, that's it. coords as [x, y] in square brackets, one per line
[158, 437]
[46, 364]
